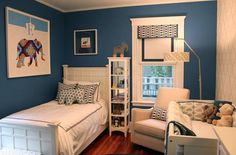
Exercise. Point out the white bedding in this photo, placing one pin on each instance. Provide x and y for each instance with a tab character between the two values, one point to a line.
76	122
17	152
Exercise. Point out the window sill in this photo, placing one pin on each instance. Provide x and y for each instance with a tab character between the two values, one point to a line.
143	103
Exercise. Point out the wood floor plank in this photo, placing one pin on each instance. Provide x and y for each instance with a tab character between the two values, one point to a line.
116	144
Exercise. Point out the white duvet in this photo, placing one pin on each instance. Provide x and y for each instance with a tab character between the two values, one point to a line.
76	122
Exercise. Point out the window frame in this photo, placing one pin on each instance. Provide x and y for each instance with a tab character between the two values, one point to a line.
137	63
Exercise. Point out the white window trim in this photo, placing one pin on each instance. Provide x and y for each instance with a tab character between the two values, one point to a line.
137	56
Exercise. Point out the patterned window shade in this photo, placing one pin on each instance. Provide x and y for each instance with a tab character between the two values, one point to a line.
158	31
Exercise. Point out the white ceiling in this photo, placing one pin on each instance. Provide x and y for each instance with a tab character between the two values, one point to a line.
80	5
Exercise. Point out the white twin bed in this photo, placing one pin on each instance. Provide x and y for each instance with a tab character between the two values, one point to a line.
53	129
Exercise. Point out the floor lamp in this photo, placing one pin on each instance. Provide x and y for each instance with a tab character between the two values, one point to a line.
179	56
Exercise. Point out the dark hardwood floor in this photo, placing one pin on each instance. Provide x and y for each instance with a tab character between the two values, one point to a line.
116	144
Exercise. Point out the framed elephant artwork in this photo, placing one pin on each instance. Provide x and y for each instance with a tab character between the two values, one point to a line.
28	44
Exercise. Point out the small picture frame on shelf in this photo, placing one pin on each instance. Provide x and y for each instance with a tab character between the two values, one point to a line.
85	42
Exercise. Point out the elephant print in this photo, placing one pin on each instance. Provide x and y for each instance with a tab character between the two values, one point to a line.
28	48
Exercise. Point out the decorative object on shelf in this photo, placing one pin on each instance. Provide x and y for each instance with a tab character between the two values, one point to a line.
122	123
85	42
117	122
121	84
117	111
180	56
120	50
28	38
119	104
119	70
114	85
118	98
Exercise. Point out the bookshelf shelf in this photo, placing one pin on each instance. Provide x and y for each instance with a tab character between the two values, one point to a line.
119	96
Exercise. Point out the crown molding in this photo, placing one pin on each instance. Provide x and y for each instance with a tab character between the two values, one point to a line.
122	5
51	6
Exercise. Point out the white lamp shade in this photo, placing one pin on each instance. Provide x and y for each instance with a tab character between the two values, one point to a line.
177	56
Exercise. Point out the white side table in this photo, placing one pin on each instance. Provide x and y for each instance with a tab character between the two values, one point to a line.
227	136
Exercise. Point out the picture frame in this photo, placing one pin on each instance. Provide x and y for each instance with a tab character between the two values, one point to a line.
28	44
85	42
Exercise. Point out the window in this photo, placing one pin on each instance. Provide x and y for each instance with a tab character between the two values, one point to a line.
155	77
149	76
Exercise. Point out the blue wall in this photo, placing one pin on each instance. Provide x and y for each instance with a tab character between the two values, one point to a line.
114	27
21	93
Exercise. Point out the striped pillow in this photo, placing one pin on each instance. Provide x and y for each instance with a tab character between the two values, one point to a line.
62	86
158	113
89	91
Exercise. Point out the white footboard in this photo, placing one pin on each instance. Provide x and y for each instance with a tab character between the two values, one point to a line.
42	139
190	145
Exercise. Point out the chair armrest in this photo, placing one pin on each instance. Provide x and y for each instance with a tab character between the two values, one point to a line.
139	114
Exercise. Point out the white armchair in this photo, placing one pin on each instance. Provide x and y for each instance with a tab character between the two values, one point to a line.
151	132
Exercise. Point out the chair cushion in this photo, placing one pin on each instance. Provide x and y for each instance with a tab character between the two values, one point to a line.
151	127
165	95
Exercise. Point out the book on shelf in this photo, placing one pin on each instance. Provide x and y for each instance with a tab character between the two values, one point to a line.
117	99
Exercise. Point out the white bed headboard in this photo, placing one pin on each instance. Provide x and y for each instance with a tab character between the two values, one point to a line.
92	74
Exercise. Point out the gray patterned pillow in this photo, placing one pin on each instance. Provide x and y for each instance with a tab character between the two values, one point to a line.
89	91
187	108
194	108
158	113
62	86
199	110
70	96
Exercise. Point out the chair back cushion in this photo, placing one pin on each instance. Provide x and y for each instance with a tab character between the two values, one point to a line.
165	95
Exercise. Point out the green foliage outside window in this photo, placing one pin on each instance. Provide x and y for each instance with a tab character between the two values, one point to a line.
157	71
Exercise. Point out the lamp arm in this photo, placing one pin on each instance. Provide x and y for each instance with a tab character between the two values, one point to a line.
192	50
199	66
199	69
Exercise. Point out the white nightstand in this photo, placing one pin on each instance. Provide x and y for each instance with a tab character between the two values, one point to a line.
227	140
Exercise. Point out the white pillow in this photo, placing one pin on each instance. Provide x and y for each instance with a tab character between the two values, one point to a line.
97	92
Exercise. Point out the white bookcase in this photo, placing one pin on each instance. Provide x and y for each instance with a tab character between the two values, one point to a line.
119	94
